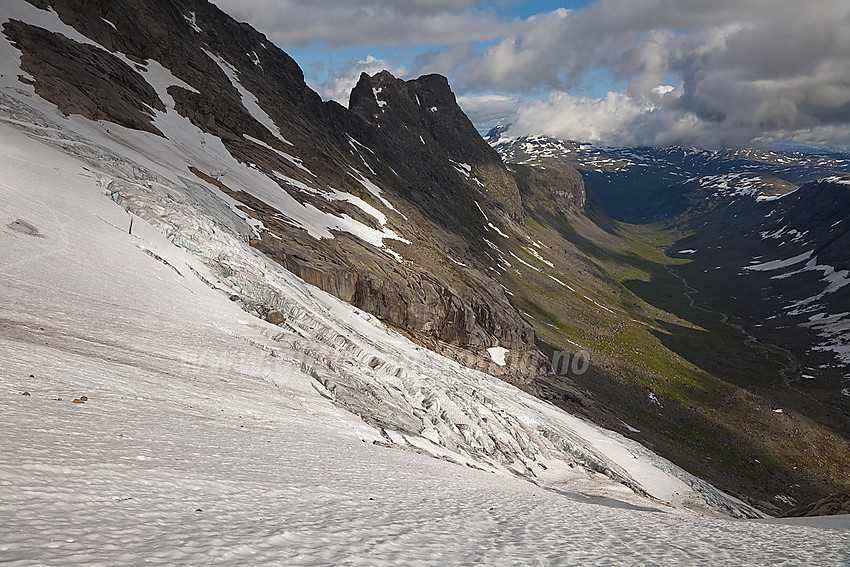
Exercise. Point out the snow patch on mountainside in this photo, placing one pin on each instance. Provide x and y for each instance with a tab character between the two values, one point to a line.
498	354
779	264
837	179
833	328
191	19
293	160
381	103
249	100
374	190
741	184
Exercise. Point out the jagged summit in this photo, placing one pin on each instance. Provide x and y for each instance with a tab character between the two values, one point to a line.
427	102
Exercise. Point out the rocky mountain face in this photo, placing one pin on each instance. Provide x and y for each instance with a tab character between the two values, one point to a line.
419	171
423	128
699	195
397	206
778	263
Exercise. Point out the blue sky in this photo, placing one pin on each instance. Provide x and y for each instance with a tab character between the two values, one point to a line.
705	73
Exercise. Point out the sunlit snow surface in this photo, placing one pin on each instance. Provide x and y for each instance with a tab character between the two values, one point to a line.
209	436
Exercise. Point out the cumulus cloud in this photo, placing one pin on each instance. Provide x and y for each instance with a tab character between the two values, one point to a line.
488	111
586	119
338	84
749	71
742	72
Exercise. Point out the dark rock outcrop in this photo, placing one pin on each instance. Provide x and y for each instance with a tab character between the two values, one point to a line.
82	79
421	117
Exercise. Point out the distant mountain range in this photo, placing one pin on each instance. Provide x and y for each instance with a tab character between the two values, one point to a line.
624	178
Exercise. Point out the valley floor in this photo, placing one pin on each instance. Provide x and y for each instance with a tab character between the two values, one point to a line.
195	445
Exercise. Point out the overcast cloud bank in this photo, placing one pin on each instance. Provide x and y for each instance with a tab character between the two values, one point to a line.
708	73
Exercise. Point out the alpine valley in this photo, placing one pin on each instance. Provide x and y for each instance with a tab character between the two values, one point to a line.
242	324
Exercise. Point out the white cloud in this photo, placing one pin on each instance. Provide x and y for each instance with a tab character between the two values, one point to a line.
341	23
750	70
488	111
744	71
583	118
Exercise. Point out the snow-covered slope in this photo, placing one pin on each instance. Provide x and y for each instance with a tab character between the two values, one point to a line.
417	399
209	436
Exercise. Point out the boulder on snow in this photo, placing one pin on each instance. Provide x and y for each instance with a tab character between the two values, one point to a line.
276	318
24	227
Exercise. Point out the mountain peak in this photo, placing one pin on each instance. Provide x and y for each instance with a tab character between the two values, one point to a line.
428	93
426	109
